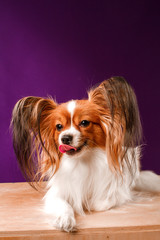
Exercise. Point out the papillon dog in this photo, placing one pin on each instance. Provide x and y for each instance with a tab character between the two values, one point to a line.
88	150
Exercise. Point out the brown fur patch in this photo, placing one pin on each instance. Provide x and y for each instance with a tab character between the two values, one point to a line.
94	133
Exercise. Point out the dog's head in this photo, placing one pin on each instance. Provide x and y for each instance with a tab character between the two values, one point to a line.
43	130
78	127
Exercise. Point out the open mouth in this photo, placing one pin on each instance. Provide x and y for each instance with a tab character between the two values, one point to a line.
70	150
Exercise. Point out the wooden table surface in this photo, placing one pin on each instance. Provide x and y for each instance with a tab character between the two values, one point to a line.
22	217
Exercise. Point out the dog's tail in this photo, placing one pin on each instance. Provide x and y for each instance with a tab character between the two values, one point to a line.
148	181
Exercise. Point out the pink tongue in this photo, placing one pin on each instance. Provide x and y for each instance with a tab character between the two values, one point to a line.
65	148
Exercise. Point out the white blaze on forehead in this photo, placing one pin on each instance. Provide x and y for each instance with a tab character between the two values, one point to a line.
71	107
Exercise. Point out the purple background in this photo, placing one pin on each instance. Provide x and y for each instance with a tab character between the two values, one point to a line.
61	48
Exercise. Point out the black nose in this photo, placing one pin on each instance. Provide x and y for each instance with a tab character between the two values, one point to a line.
67	139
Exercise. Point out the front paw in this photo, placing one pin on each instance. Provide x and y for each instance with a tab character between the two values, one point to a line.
65	223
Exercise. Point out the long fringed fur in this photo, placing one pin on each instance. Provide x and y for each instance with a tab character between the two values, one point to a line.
120	115
33	137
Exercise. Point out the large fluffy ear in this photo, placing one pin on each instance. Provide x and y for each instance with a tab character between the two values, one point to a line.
33	137
119	113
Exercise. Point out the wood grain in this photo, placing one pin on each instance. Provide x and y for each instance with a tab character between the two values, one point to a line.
22	217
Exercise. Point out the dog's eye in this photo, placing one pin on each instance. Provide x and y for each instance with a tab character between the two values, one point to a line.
84	123
59	127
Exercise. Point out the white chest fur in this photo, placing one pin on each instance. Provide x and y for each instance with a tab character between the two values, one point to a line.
86	182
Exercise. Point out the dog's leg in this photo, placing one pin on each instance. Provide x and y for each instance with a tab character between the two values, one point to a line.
62	212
